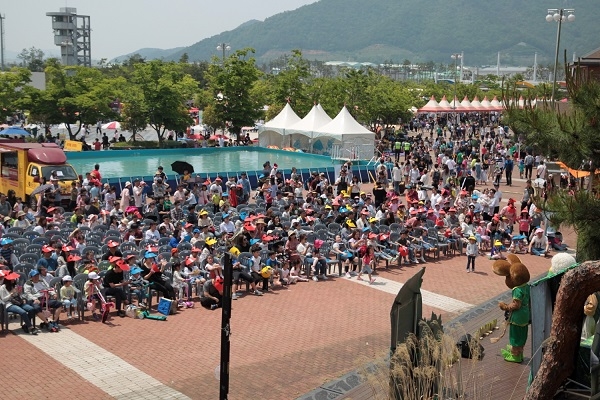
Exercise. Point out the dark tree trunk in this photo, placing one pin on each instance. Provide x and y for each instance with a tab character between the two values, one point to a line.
558	361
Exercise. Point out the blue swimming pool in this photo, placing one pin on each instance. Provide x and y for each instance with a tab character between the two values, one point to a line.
120	166
210	161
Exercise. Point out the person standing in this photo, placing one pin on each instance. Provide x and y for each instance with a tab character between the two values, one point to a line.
528	165
246	188
397	176
397	149
472	251
126	196
541	170
528	194
138	190
96	173
497	198
508	169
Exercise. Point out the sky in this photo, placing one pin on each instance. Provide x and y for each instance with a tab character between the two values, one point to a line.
123	26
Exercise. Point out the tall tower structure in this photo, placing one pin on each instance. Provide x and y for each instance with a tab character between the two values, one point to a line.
72	33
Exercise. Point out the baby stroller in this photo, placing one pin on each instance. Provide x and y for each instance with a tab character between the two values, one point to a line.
518	244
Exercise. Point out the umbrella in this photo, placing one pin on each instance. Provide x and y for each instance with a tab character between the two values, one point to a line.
195	137
181	166
217	137
112	125
41	189
13	131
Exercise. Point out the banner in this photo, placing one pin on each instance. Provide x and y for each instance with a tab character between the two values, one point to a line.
73	145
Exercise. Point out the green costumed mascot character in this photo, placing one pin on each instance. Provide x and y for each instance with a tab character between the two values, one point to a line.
517	277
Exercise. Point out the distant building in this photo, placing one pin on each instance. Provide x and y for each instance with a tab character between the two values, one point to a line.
588	66
72	33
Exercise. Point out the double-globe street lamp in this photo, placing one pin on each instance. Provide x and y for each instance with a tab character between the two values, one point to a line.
223	47
455	57
559	15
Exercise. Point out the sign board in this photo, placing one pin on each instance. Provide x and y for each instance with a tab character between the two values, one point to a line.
73	145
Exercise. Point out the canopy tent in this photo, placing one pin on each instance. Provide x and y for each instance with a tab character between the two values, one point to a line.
273	132
301	133
477	105
444	104
466	105
495	105
486	104
351	139
432	106
455	105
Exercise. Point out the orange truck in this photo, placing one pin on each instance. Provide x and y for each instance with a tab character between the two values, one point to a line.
24	165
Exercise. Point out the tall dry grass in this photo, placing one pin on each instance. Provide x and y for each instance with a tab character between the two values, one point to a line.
427	368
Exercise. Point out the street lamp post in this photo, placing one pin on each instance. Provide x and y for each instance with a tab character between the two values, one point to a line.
558	15
224	47
455	57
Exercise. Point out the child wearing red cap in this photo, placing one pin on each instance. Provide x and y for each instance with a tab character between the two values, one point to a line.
524	223
369	263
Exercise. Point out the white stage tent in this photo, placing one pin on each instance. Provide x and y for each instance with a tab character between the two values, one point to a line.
273	132
344	138
301	133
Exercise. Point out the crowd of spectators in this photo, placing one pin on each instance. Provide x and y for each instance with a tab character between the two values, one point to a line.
437	197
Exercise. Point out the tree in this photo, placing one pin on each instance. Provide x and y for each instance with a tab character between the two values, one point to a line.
73	95
163	90
386	102
134	114
572	136
12	84
229	84
32	59
290	84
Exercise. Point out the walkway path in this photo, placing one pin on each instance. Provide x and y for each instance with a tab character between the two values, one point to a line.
431	299
101	368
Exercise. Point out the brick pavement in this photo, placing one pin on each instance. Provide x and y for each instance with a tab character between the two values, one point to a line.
29	373
283	344
299	337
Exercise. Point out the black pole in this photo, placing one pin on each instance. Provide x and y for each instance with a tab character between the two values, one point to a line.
225	328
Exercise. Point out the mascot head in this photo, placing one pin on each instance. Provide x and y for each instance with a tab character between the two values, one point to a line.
513	269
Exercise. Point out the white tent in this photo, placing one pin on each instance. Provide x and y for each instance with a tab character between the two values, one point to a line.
272	133
301	133
345	137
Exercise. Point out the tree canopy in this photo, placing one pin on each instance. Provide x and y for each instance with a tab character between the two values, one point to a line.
229	90
573	137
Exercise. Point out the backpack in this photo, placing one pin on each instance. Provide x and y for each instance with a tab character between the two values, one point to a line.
436	177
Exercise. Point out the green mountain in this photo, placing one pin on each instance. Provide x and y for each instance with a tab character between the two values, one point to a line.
417	30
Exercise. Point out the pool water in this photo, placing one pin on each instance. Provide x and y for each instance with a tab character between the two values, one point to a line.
140	163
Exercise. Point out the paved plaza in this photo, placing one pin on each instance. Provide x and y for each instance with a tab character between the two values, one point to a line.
283	344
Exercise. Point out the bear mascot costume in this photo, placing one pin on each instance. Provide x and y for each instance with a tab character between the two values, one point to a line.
518	314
